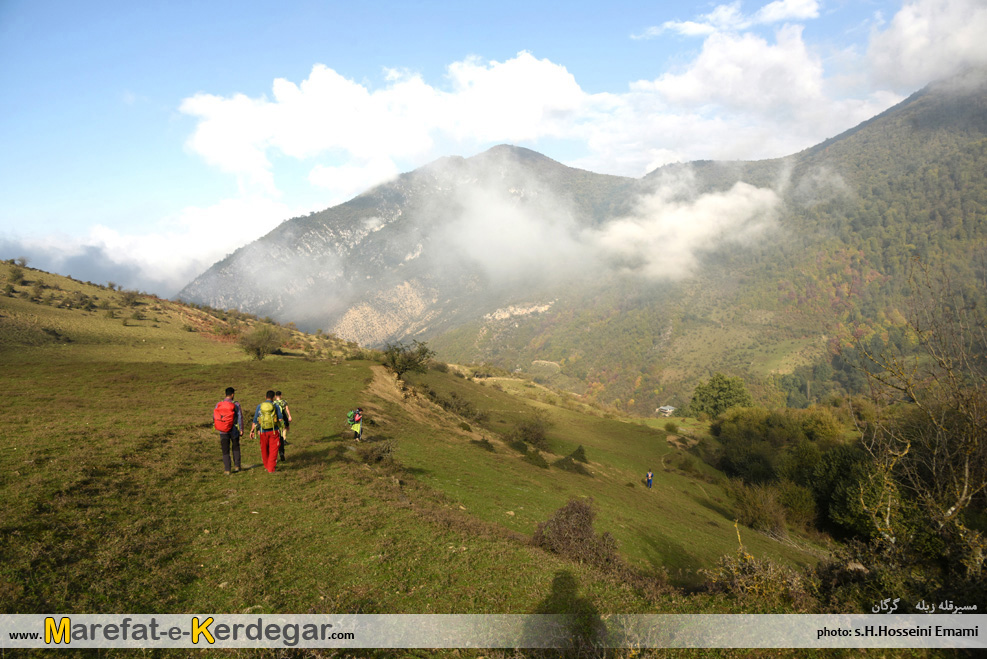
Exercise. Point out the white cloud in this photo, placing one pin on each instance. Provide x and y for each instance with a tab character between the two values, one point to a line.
742	97
787	10
521	99
929	39
748	73
163	259
670	228
346	181
730	18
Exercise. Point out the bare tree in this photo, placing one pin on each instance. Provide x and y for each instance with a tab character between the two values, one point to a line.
931	441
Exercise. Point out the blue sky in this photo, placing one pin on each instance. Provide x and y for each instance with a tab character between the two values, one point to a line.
143	141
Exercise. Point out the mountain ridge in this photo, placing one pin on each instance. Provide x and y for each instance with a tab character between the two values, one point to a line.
680	267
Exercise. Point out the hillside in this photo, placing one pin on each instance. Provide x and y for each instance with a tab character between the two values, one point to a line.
113	497
638	288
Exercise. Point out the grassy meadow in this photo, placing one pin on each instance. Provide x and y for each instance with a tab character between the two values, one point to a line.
113	497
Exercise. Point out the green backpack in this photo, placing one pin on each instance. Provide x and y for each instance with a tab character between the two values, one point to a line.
268	418
282	404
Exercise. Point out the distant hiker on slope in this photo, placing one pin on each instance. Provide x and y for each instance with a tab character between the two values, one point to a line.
266	418
285	422
355	419
650	477
228	420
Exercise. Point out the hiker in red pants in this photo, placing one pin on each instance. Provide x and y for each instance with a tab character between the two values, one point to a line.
266	419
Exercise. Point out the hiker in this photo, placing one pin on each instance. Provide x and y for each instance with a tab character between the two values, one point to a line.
284	423
266	418
355	419
649	478
228	419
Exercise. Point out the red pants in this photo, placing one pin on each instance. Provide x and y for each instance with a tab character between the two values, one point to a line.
269	443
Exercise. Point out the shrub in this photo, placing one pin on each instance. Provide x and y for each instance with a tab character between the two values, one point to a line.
758	508
672	427
129	298
579	455
483	443
518	446
376	452
718	394
401	358
16	275
821	425
799	504
261	341
533	431
761	582
569	533
535	458
568	464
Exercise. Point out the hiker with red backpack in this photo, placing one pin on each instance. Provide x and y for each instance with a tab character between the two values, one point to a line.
228	420
267	417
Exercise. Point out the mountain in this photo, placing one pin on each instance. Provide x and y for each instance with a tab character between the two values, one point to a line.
413	256
631	290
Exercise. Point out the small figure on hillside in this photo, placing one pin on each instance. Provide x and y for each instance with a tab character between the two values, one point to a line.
266	418
649	478
355	419
228	420
285	422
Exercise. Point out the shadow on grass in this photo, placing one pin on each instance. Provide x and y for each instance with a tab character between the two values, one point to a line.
717	508
662	553
578	625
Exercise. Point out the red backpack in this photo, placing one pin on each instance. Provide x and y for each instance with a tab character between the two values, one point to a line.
224	415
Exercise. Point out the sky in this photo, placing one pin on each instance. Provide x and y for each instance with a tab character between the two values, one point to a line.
144	141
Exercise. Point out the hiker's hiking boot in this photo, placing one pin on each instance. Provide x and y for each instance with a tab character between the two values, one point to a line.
226	473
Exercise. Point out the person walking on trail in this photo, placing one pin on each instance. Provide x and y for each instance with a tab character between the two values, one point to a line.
266	418
650	477
228	420
355	419
285	422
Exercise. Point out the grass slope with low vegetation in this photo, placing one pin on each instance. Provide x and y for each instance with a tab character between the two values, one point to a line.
113	499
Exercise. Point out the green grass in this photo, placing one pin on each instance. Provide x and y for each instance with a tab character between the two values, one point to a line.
683	524
112	496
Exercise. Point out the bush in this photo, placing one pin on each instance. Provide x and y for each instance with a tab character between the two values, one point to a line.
376	453
535	458
16	275
799	504
569	533
261	341
533	431
672	427
568	464
579	455
401	358
483	443
518	446
761	582
129	298
718	394
758	508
